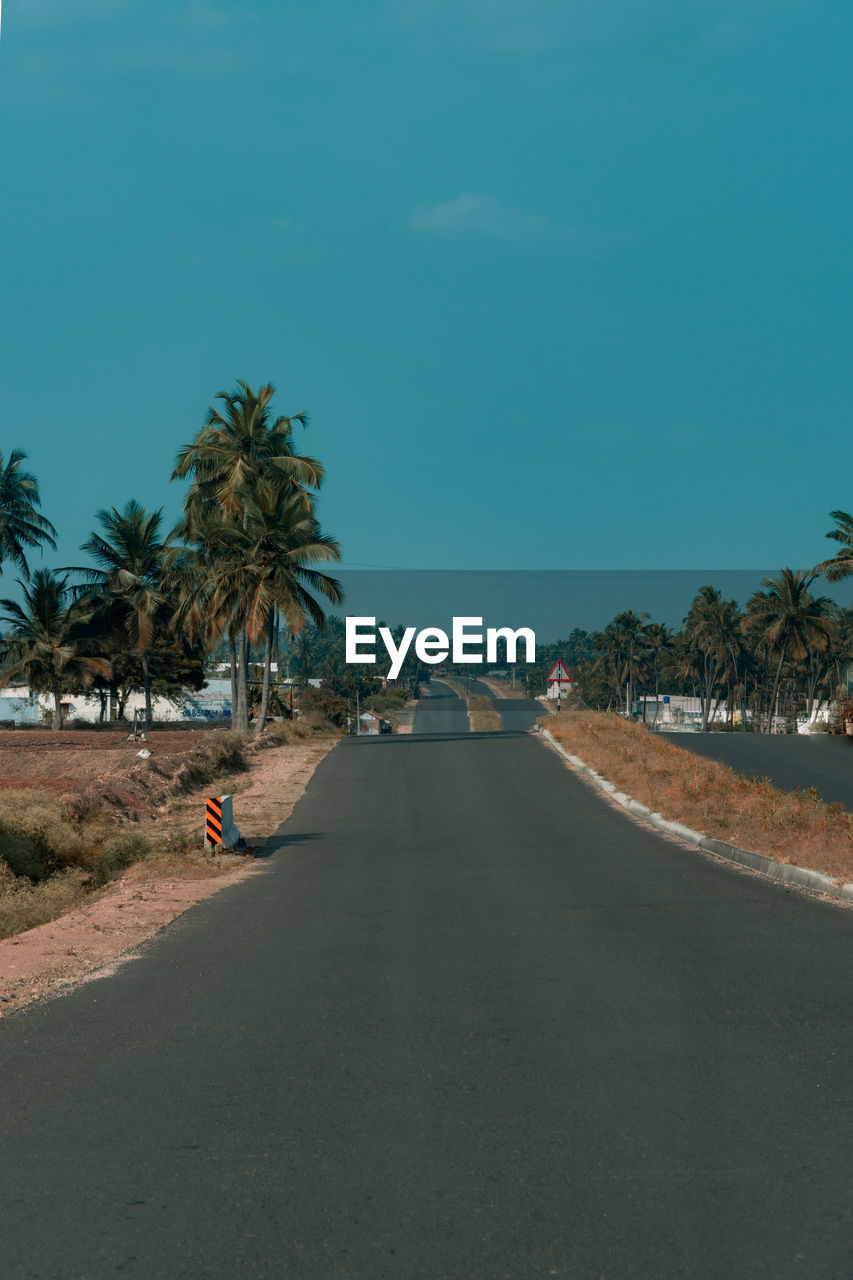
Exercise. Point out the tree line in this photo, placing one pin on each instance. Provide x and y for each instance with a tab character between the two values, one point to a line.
243	562
782	655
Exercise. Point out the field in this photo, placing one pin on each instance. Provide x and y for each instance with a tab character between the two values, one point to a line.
100	767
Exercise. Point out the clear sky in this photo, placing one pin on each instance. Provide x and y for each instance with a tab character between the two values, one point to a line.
562	284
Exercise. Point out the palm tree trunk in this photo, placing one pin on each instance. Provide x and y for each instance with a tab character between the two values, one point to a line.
265	691
146	684
775	692
234	685
57	706
242	717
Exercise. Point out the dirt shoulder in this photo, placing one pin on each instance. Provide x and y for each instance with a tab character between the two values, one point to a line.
501	689
91	941
794	827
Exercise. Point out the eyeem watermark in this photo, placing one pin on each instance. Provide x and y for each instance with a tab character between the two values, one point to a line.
432	645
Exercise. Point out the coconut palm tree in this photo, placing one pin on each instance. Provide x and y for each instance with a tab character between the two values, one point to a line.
240	578
236	448
285	544
711	629
234	451
21	525
790	622
128	572
43	641
840	565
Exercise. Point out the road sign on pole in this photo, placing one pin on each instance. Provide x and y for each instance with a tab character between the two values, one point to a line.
559	675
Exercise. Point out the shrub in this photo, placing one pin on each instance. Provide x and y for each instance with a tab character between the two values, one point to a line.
118	852
222	753
318	705
37	836
24	905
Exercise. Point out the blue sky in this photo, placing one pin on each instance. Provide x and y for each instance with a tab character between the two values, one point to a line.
529	265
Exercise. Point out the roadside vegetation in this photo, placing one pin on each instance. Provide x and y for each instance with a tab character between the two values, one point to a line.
797	826
778	658
56	853
244	564
483	714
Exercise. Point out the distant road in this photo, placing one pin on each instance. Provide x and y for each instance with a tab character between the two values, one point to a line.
792	760
440	710
517	714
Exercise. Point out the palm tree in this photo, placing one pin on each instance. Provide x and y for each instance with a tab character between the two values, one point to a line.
629	628
129	571
43	641
235	451
242	577
657	641
790	622
711	629
237	448
840	565
21	525
286	542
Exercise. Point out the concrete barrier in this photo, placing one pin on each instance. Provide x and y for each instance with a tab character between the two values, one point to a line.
220	830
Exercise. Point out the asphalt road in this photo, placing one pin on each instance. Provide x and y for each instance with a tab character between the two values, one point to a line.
440	710
470	1021
517	714
792	760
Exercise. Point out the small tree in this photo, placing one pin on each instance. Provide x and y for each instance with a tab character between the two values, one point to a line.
129	561
44	642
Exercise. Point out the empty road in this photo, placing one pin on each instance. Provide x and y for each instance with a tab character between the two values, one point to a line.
469	1021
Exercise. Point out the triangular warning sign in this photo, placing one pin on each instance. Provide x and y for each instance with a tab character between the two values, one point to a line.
559	672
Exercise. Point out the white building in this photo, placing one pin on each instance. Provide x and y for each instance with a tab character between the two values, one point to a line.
212	702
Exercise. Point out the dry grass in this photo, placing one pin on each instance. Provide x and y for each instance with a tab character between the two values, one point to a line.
796	827
54	855
503	688
483	714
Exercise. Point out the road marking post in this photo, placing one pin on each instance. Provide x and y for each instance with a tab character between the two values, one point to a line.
219	829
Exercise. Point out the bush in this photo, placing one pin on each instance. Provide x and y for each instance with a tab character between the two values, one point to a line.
287	731
319	705
37	837
118	852
40	838
222	753
24	905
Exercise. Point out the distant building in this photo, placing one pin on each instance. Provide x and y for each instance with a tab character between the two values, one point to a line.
372	724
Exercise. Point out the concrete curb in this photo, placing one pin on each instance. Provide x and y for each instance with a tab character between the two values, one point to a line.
786	871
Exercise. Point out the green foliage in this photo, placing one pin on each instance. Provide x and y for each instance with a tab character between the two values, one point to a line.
47	640
21	524
317	705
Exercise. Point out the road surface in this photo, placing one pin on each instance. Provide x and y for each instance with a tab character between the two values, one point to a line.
792	760
469	1021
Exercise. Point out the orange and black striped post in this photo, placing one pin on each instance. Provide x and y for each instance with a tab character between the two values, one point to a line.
213	824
